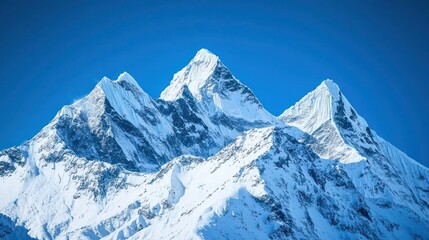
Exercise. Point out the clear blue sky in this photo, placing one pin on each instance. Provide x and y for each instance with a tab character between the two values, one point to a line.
53	52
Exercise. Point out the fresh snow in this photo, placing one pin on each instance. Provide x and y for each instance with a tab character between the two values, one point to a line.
207	161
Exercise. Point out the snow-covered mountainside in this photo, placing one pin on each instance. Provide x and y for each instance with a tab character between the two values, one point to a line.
207	161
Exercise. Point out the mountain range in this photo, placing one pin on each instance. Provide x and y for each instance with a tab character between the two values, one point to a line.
205	160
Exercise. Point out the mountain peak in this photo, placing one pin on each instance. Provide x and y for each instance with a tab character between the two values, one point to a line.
118	164
323	104
126	77
332	87
204	55
314	109
106	84
211	83
329	83
326	114
195	75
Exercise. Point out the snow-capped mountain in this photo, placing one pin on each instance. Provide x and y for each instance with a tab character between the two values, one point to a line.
207	161
119	123
216	90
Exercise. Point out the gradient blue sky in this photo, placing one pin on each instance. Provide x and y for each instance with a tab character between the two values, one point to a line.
53	52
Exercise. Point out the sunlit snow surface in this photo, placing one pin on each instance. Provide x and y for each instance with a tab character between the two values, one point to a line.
207	161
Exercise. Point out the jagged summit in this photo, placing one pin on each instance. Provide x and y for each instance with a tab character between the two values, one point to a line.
125	76
334	91
313	109
204	55
326	114
206	79
318	107
212	84
195	75
333	88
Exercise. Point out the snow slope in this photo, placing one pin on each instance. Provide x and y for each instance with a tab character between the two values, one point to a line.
206	161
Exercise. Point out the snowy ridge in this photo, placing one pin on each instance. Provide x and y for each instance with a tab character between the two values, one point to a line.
206	161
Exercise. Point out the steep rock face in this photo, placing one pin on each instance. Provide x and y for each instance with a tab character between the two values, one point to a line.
117	164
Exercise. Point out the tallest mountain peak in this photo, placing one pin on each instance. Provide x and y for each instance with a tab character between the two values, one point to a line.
331	87
195	75
330	84
205	55
211	84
